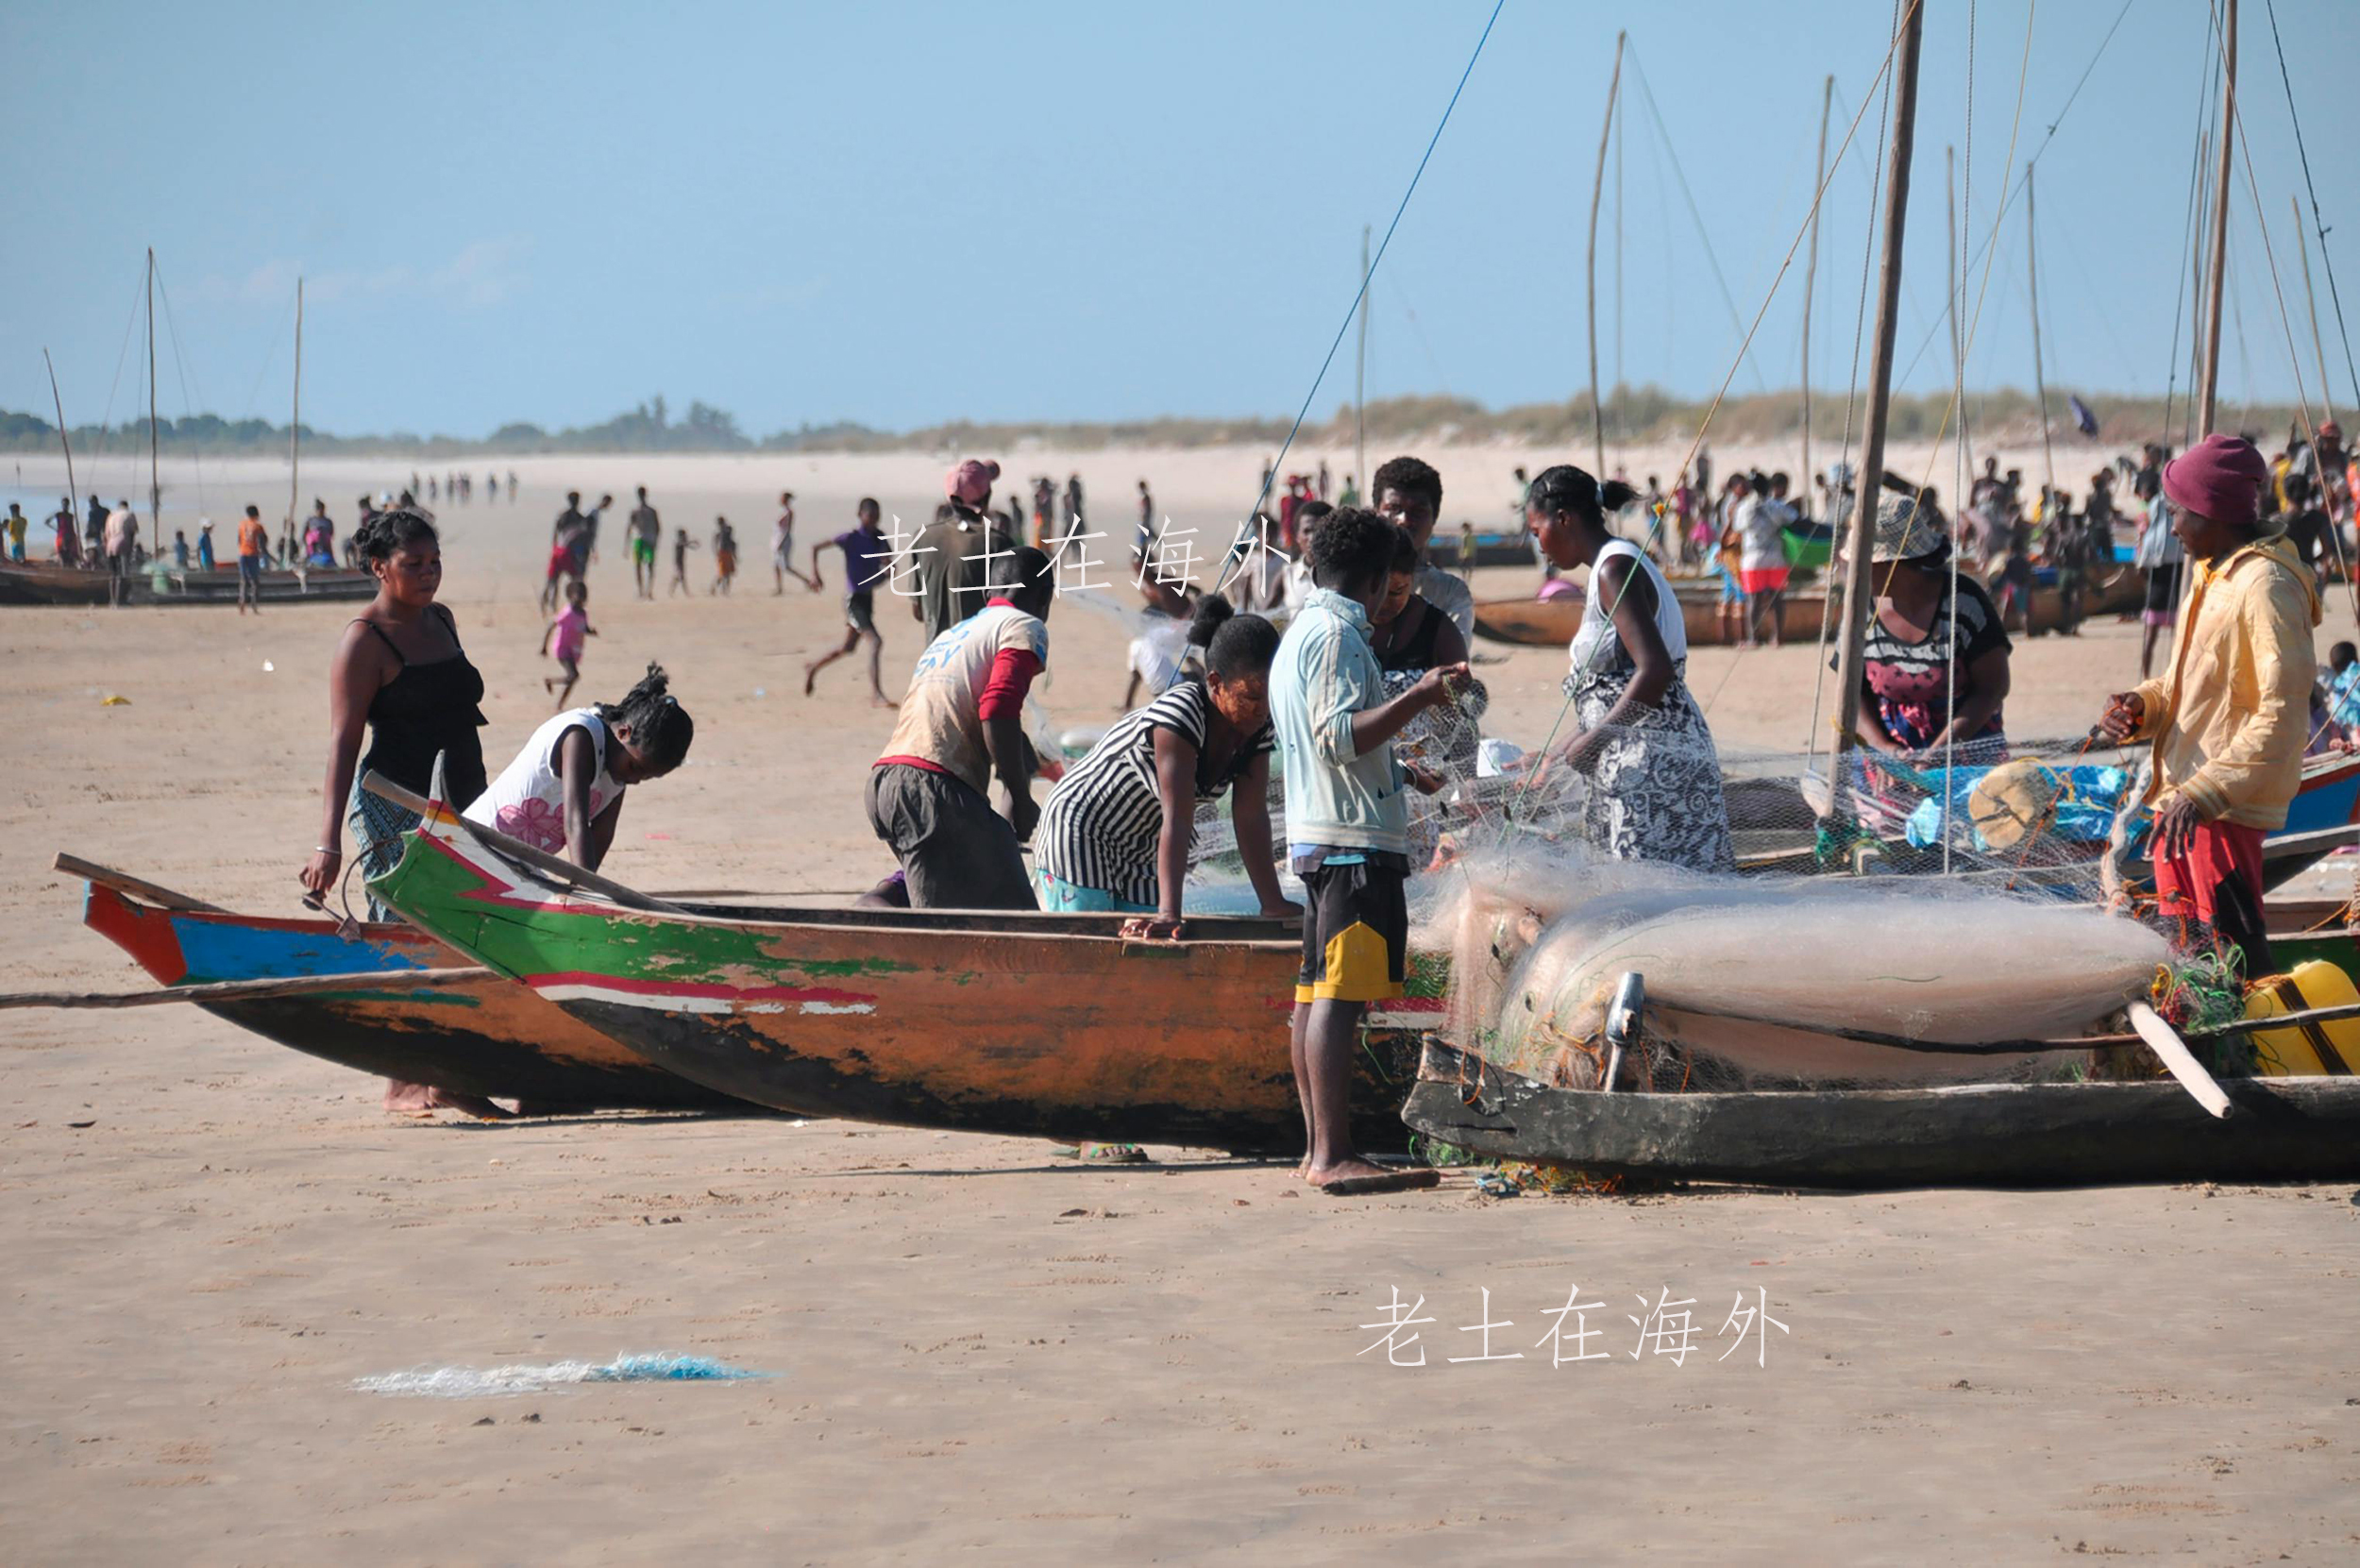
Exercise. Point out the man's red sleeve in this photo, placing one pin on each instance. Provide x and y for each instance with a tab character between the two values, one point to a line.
1012	673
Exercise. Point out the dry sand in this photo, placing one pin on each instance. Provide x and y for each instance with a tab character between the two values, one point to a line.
974	1347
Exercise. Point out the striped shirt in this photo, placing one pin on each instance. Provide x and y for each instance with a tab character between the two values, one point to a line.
1104	820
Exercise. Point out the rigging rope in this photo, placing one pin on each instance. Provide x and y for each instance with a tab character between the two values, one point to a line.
1361	293
2302	152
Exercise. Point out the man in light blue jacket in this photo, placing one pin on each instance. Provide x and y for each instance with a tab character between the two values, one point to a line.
1348	829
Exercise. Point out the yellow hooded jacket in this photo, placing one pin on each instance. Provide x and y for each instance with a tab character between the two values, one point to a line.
2230	722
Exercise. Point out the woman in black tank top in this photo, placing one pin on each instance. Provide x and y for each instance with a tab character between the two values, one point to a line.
401	672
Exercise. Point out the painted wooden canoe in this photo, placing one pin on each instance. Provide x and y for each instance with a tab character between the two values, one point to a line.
1984	1135
48	583
488	1038
1552	623
986	1022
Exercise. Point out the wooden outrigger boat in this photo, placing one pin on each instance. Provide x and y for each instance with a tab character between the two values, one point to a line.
1978	1135
1551	623
485	1036
1048	1025
52	584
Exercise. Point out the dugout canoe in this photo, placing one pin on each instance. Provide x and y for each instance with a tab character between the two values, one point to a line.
488	1038
1551	623
986	1022
1982	1135
48	583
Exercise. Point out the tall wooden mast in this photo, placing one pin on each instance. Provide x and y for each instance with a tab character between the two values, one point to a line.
1598	189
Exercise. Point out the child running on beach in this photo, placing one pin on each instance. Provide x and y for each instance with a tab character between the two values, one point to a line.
563	641
1348	829
868	560
564	791
682	545
724	556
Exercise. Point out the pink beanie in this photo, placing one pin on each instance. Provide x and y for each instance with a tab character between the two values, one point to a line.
971	482
2220	477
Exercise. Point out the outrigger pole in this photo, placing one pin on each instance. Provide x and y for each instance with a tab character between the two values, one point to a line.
1598	189
2209	388
2040	378
1857	576
74	493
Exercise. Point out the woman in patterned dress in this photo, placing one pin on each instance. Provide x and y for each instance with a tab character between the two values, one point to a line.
1654	775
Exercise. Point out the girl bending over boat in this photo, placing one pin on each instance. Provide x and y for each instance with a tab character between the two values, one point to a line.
564	791
1117	829
401	674
1655	778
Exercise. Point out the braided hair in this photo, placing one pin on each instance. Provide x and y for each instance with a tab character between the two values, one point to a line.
660	727
1235	645
1567	489
381	533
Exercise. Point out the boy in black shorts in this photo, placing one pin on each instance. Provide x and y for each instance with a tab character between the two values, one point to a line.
1347	827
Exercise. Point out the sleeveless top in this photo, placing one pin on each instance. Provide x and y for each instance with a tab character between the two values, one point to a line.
1597	648
1416	653
527	800
427	709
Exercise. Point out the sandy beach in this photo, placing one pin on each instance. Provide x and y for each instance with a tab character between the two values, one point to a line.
969	1346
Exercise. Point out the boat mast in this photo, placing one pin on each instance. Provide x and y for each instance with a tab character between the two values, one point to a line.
294	421
155	486
2031	287
2207	393
1360	384
1958	349
1811	274
1858	600
74	493
1598	189
2302	246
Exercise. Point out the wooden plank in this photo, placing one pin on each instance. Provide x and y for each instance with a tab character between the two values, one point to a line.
122	882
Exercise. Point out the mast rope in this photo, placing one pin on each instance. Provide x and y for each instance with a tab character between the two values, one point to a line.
2313	191
1246	525
187	408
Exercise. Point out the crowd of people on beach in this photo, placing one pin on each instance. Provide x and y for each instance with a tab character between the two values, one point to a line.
1328	658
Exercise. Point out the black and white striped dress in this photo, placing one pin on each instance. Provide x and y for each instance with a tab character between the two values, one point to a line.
1104	820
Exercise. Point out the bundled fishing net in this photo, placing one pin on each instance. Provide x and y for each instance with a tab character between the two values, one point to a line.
1745	976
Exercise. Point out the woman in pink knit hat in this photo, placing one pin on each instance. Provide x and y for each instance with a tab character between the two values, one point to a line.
2230	720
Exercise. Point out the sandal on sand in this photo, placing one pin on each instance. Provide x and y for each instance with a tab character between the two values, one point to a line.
1390	1181
1103	1154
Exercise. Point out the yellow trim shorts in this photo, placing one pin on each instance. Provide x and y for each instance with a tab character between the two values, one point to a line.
1356	933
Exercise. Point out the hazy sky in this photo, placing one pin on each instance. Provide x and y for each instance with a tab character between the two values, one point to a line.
903	214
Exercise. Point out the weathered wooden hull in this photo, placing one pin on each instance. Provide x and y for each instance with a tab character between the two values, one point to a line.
491	1037
1552	623
1994	1135
1030	1025
54	584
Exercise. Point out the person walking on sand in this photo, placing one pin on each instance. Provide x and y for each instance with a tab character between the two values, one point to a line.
1347	830
2228	724
562	640
783	548
566	536
205	543
2159	556
18	523
682	545
645	529
253	544
868	560
66	542
122	544
724	557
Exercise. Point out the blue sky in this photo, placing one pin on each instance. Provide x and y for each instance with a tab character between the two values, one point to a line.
906	214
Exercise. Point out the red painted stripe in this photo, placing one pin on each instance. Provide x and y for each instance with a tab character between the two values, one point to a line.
657	988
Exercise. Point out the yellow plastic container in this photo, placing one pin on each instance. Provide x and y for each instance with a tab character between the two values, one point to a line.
2306	1050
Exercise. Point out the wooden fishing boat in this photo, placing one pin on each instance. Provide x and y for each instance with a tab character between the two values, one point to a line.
1978	1135
1031	1025
51	584
487	1037
1551	623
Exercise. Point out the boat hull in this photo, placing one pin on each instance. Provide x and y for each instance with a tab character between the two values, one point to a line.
990	1022
53	584
489	1038
1985	1134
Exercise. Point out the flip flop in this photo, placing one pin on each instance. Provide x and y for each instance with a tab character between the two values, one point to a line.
1390	1181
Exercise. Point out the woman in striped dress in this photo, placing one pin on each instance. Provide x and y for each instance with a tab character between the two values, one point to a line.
1117	832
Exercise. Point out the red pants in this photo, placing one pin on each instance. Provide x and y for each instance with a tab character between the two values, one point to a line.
2192	882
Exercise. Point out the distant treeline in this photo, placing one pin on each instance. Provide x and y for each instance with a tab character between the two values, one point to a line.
1632	414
